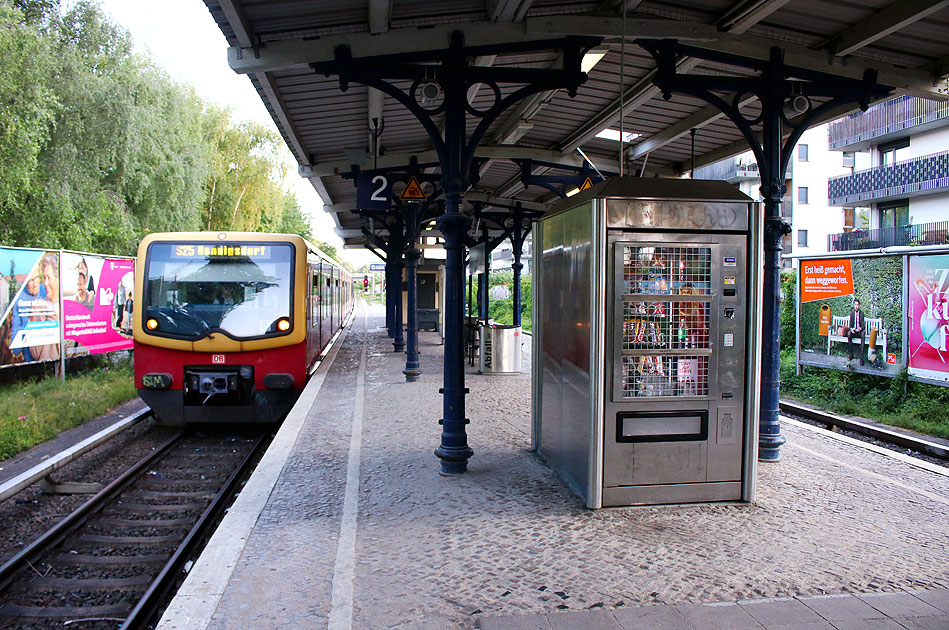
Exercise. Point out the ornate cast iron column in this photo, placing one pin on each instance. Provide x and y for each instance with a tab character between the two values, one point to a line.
412	255
485	298
522	227
448	72
776	86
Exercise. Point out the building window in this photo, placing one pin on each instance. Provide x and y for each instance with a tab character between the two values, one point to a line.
802	194
848	219
894	152
802	153
894	215
802	238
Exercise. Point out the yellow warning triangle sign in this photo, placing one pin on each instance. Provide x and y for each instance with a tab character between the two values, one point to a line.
587	183
413	191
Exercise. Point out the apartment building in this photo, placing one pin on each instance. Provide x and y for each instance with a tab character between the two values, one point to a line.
896	190
805	205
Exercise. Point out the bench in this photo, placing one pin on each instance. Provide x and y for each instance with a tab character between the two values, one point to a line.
869	323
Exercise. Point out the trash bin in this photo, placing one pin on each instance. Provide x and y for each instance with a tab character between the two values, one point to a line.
500	349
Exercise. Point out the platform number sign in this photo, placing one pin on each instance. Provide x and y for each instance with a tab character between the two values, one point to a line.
373	192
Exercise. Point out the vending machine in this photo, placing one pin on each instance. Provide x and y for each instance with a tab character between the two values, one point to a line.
646	359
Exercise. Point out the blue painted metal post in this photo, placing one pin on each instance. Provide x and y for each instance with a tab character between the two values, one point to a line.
390	289
412	254
518	244
772	190
454	450
485	309
456	154
773	88
398	342
481	295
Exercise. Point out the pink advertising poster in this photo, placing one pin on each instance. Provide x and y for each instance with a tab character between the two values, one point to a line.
97	303
928	317
29	302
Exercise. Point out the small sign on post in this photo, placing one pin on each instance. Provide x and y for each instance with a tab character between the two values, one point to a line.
373	192
413	191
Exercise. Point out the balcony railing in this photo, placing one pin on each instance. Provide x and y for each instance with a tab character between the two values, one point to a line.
907	178
728	170
904	112
921	234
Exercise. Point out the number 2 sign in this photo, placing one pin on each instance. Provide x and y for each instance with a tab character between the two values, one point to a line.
373	192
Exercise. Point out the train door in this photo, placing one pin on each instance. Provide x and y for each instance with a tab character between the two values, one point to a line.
315	333
328	304
339	301
310	295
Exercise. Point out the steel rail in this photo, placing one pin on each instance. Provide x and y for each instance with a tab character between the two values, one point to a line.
151	599
873	430
41	471
58	532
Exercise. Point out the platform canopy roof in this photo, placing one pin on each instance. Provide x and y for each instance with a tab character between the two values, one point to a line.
329	130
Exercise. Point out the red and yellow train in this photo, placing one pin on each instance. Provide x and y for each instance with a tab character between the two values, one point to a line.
229	325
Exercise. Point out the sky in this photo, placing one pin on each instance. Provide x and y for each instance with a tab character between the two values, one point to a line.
182	37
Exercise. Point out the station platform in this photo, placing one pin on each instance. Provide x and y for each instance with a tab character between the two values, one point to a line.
346	523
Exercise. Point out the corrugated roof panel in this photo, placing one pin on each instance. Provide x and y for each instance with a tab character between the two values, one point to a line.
330	124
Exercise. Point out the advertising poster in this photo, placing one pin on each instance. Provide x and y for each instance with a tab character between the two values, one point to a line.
97	303
928	317
852	314
29	327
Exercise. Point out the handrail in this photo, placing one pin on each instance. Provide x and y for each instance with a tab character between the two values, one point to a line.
45	469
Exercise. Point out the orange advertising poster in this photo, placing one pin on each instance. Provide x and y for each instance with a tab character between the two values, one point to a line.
823	279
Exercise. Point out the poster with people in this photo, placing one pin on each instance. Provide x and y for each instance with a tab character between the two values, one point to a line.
29	327
851	313
97	303
928	317
94	293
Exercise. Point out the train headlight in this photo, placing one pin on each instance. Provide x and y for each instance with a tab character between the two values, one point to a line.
283	324
151	323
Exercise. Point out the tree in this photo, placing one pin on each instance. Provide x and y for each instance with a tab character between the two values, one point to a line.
98	146
28	108
243	190
292	220
327	249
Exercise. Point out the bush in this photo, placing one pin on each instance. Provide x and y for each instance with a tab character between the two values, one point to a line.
788	308
894	401
502	311
38	410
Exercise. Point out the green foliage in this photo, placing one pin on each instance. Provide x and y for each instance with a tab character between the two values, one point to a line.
788	308
28	109
98	146
327	249
36	411
502	311
292	220
894	401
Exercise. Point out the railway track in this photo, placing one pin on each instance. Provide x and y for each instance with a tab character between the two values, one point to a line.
115	558
873	430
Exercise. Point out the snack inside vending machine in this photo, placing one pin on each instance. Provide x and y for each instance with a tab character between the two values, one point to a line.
646	330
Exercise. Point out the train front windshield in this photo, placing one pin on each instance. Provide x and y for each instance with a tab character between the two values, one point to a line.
240	289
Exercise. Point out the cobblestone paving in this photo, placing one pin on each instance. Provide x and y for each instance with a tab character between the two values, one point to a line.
509	538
